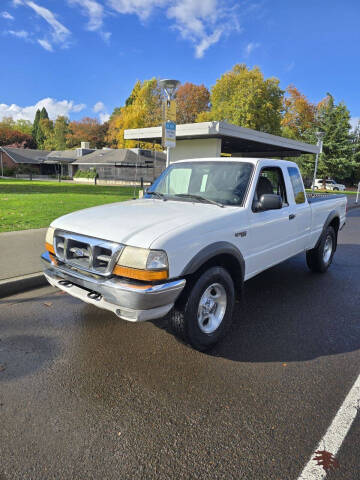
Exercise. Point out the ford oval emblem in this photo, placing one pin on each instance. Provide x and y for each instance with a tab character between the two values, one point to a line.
79	252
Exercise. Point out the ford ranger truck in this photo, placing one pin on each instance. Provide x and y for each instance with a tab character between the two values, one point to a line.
203	228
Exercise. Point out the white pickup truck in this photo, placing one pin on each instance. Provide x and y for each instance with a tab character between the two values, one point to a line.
202	229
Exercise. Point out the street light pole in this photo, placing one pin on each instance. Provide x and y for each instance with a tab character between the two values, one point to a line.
169	87
320	136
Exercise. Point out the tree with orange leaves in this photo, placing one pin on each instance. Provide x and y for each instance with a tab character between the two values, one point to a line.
191	100
299	114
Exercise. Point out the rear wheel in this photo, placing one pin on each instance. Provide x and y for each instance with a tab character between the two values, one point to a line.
204	316
319	259
336	189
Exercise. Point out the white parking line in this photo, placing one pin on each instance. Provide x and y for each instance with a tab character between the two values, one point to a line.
335	435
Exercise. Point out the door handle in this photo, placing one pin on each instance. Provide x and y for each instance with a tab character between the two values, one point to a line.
292	216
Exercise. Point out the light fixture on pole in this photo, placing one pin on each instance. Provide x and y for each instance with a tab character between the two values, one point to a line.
319	136
169	116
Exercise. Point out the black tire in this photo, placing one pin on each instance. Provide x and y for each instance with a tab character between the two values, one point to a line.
336	189
184	316
319	258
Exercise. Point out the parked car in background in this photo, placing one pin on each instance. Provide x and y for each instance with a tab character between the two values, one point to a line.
330	185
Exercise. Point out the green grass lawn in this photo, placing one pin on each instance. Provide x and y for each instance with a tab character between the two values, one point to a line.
346	192
28	204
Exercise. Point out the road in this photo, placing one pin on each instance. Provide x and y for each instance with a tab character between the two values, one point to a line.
84	395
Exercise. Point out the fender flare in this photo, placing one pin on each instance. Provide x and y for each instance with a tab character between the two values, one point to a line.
211	251
333	214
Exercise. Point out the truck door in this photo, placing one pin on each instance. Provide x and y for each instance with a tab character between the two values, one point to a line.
302	212
273	232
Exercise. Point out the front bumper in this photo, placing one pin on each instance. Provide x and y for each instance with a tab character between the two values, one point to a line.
128	300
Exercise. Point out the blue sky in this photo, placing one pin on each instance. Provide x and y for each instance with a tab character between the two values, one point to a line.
82	57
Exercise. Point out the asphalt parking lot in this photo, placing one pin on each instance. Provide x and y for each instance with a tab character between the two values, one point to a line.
84	395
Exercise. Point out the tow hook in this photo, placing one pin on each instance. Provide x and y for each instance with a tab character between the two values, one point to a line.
94	296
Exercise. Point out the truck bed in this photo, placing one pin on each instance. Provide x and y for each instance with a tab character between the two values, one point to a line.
321	197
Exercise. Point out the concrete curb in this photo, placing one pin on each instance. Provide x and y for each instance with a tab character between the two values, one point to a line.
10	286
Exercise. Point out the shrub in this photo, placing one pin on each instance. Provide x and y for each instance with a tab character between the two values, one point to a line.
91	173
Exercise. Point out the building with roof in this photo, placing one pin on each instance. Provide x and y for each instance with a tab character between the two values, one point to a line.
212	139
125	165
21	158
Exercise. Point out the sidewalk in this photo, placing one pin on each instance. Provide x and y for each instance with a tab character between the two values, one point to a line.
20	265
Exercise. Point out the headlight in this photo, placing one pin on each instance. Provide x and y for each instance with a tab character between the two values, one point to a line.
142	264
49	240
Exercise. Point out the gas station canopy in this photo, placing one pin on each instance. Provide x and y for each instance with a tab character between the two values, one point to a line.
206	139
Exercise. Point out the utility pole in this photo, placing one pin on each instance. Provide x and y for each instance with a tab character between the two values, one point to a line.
320	136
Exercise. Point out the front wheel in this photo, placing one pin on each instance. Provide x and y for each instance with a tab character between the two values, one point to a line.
204	316
319	258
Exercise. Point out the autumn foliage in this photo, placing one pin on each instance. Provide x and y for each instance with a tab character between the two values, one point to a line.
299	114
190	101
15	138
86	130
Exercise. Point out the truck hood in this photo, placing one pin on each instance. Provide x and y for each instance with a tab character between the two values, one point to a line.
136	222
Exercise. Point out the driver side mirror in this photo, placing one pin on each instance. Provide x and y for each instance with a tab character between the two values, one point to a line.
268	201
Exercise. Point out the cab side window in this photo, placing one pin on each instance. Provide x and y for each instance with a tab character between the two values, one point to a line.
297	185
271	180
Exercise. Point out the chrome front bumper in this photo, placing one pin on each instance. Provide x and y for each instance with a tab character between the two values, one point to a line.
130	301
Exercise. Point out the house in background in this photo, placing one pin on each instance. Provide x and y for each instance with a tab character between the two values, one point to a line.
24	160
112	165
127	165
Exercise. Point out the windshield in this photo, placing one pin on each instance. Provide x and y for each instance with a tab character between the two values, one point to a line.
217	181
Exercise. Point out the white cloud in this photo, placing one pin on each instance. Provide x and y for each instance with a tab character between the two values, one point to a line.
141	8
250	47
354	122
104	117
19	33
94	10
99	107
46	45
202	22
206	42
59	33
54	108
6	15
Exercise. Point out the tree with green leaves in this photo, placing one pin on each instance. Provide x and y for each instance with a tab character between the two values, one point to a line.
337	160
37	133
61	130
45	136
245	98
355	177
36	125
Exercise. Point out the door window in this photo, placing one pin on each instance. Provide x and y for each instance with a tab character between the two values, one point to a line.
271	180
297	185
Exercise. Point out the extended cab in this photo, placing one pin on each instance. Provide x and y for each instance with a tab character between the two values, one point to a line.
203	228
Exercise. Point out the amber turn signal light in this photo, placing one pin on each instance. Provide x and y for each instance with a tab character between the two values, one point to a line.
137	274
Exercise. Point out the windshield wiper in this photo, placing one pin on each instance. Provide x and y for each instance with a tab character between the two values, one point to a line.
157	194
199	198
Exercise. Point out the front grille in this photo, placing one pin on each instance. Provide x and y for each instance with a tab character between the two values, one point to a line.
88	254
